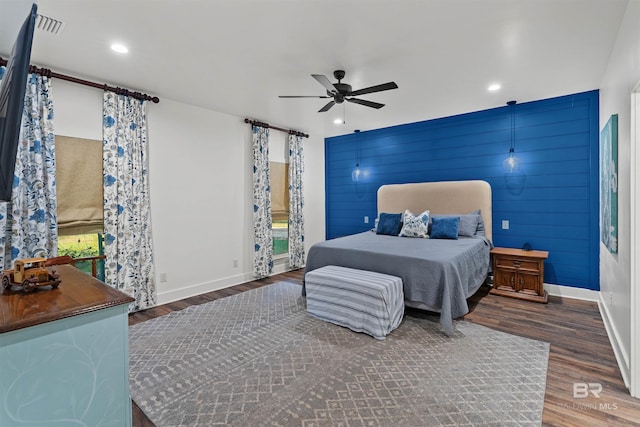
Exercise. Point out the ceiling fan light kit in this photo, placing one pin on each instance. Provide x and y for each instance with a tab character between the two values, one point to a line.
341	92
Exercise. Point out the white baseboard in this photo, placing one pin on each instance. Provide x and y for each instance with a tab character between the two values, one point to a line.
202	288
280	266
571	292
614	337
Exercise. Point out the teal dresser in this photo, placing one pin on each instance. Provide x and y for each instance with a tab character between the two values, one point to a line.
64	354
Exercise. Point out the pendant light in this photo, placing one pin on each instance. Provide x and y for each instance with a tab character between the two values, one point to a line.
356	174
512	164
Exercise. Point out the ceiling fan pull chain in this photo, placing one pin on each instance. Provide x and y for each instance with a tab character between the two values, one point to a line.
344	114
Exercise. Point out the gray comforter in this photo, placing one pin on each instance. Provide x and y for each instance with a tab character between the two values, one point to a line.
437	274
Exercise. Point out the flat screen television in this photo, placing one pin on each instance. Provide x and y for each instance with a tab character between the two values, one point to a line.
12	91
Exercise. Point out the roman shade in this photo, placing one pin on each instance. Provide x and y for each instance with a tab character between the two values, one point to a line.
79	185
279	181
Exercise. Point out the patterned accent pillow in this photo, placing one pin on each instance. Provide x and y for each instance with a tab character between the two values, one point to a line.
415	225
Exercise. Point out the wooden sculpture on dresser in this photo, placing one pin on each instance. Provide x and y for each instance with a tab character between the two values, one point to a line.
30	273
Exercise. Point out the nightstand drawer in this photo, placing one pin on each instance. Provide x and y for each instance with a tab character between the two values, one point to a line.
512	262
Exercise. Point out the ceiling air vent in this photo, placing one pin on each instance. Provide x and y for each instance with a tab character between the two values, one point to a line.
49	25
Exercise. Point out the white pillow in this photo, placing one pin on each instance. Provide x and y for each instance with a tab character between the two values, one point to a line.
415	225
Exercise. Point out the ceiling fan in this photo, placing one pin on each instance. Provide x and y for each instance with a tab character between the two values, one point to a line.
341	92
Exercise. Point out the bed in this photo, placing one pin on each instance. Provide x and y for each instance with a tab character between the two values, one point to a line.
437	274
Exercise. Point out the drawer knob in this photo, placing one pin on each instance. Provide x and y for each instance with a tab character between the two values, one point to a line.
516	264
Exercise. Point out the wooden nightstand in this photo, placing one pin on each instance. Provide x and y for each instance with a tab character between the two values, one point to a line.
519	274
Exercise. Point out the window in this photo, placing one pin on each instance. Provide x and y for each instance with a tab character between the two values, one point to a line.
79	191
84	246
279	181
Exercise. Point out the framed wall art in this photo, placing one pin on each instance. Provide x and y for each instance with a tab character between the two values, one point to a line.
609	184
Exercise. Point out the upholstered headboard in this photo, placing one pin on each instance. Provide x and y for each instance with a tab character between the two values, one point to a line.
446	197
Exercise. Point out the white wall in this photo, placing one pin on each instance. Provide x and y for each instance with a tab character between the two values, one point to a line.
77	110
201	189
278	147
622	74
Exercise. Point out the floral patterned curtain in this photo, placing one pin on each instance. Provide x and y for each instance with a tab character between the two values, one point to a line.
263	235
28	222
127	215
296	202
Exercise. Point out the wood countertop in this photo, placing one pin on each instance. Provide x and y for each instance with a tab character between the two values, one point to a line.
520	252
78	293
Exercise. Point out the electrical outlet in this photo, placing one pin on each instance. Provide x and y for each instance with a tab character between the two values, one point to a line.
610	298
163	277
505	224
235	263
366	220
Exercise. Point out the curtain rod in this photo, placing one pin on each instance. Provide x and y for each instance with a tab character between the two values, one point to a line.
268	126
120	91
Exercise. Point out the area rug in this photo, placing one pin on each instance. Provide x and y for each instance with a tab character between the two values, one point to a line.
258	359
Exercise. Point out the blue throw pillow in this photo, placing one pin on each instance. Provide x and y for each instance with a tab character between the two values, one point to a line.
389	224
444	227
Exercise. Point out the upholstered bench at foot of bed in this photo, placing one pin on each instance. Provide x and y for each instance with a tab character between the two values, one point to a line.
363	301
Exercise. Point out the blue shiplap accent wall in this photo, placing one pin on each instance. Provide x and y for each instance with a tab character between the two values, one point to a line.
553	205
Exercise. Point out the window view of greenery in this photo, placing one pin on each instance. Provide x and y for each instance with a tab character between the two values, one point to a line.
83	246
280	230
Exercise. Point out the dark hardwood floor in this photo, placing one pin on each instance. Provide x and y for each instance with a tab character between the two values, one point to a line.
580	352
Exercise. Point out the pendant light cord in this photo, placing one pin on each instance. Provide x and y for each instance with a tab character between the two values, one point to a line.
512	144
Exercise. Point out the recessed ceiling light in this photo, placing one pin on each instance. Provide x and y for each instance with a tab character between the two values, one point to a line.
338	121
494	87
120	48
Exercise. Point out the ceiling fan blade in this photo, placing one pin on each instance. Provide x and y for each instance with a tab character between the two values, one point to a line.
377	88
324	81
297	96
327	107
365	103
